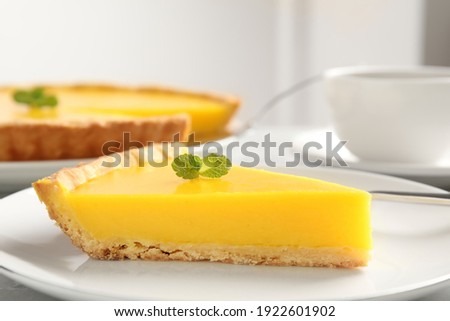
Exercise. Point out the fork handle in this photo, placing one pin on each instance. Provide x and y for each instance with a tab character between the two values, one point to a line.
412	197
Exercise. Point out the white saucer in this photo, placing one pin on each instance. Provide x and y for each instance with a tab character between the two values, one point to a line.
409	260
437	174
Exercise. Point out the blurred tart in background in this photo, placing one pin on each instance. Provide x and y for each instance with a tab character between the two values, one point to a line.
63	122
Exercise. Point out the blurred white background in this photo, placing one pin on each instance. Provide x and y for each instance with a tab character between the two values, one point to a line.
251	48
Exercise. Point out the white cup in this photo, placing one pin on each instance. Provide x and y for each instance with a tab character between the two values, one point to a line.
391	114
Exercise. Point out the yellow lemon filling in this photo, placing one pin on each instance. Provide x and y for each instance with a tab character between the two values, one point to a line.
245	207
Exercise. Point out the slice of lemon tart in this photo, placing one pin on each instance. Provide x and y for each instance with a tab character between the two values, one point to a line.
250	216
87	116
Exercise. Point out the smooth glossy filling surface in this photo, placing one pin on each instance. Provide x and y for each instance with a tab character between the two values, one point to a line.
245	207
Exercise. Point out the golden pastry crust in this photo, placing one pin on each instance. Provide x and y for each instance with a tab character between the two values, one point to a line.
249	255
51	189
27	140
47	140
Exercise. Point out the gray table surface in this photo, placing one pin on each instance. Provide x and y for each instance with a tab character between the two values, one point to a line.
11	290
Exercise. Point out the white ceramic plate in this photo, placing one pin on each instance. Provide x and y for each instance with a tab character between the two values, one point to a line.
410	258
436	174
15	176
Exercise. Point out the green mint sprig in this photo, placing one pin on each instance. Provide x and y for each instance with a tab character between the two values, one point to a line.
189	166
35	98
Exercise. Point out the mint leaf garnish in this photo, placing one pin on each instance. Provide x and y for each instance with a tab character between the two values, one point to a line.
215	166
187	166
190	166
35	98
